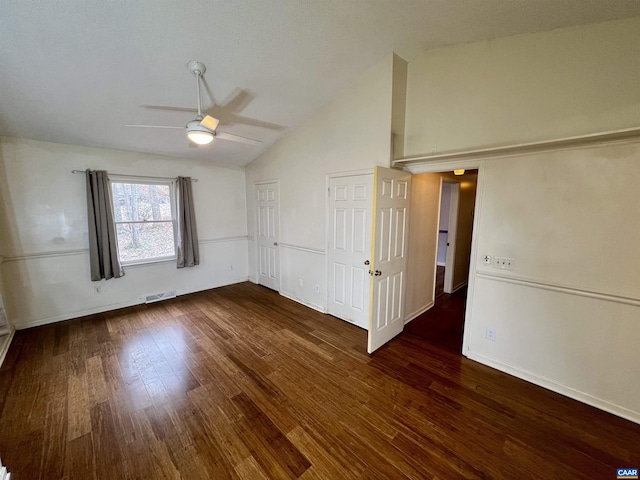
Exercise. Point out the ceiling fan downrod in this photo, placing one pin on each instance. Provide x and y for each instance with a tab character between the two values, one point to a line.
198	69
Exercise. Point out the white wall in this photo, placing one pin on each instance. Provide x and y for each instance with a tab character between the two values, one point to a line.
353	132
445	202
568	316
44	235
398	106
556	84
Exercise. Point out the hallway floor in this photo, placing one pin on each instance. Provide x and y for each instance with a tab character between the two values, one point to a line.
442	324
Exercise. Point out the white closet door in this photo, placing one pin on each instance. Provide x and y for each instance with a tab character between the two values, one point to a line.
268	218
349	247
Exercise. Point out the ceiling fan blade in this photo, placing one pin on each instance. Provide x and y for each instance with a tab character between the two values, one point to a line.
238	100
172	109
208	90
228	112
153	126
209	122
254	122
237	138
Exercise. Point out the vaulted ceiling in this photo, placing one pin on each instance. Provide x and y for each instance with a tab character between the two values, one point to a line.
77	71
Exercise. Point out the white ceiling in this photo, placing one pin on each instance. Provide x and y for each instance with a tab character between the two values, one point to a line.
77	71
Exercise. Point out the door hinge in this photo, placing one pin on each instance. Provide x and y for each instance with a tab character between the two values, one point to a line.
329	192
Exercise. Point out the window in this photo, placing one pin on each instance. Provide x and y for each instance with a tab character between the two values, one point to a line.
145	219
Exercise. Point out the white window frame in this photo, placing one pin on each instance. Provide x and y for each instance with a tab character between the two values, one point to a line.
174	214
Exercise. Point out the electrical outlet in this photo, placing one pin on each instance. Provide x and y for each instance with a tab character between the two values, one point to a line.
300	282
490	334
486	259
504	263
317	288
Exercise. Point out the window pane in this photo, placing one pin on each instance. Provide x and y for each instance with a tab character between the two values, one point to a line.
136	202
143	241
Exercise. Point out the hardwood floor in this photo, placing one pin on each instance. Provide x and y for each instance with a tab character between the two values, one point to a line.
442	324
239	382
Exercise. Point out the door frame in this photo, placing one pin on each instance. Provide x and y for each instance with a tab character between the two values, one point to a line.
447	166
256	183
327	219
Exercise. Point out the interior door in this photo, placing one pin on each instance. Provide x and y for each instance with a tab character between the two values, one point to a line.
452	237
349	248
267	199
389	255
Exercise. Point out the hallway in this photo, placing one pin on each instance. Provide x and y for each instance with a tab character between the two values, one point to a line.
443	324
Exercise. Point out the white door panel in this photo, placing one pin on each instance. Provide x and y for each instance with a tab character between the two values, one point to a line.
267	198
452	237
349	247
389	255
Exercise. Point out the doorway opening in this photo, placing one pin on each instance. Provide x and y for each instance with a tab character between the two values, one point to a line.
443	322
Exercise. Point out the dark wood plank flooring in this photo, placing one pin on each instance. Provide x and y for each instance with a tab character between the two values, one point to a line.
239	382
442	324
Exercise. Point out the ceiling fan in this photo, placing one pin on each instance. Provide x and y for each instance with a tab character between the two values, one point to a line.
203	129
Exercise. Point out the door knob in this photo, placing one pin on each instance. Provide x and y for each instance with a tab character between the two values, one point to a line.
275	244
378	273
366	262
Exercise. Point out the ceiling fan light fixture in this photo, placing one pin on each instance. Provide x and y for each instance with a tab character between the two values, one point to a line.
202	130
199	134
200	138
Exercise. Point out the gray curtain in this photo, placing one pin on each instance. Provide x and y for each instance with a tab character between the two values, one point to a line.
188	250
103	245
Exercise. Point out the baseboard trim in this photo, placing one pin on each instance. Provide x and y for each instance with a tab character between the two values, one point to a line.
290	296
458	287
5	343
419	312
583	397
347	320
106	308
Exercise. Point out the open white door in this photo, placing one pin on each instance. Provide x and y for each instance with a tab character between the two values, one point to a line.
267	200
389	255
452	238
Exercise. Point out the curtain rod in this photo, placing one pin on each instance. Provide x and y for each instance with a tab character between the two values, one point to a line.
137	176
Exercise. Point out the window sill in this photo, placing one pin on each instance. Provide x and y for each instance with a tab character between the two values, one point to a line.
145	263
